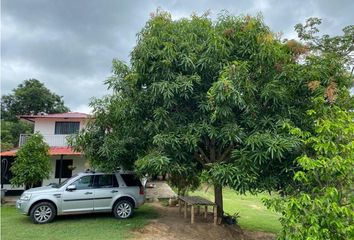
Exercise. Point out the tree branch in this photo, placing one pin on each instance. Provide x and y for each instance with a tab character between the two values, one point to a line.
212	150
218	152
226	153
199	158
203	155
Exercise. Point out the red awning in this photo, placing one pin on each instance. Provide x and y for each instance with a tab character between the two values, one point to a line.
62	151
53	151
9	153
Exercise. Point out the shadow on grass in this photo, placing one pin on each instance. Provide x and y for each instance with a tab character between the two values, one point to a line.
145	212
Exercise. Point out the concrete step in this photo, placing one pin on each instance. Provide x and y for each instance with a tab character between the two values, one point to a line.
160	190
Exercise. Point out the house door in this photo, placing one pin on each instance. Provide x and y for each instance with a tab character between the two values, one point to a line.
63	168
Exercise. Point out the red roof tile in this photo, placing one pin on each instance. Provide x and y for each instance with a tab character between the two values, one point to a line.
57	115
53	151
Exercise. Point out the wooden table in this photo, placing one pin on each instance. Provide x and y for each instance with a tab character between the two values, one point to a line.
198	202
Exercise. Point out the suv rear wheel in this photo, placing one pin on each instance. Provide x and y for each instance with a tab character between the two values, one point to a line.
43	212
123	209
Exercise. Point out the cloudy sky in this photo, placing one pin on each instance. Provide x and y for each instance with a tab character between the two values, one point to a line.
69	44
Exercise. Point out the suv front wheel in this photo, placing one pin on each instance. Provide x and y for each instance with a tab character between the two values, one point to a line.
123	209
43	212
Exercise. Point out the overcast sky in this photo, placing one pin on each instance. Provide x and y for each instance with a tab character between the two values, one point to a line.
69	44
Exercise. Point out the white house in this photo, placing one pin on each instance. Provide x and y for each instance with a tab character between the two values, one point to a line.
55	128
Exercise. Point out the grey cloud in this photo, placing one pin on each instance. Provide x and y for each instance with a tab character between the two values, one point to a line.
69	45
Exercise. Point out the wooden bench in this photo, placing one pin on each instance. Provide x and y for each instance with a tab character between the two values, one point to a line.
198	202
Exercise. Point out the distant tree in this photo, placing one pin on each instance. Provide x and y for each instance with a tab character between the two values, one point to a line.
31	97
32	163
323	205
10	132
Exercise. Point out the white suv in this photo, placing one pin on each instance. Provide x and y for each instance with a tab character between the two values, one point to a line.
85	192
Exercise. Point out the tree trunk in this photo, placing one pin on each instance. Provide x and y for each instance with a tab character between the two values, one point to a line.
217	188
218	200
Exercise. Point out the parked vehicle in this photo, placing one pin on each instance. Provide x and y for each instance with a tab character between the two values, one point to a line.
85	192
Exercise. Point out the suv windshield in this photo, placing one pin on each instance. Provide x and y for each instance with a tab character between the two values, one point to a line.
63	183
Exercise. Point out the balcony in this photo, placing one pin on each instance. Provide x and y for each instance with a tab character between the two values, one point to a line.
53	140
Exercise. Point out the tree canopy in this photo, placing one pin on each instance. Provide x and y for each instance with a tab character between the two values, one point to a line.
209	99
31	97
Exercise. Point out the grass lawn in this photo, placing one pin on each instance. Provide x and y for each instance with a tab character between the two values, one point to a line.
74	227
253	214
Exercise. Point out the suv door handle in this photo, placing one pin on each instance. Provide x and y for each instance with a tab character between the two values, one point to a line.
88	193
114	191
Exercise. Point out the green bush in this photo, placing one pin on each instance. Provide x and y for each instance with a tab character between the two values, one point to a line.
32	163
323	206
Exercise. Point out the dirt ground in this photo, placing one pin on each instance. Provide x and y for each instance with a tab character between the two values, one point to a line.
170	225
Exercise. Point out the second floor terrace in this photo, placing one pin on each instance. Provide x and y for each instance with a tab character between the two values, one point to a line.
55	128
53	140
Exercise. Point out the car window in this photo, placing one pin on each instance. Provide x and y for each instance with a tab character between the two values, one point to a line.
106	181
84	182
63	183
131	180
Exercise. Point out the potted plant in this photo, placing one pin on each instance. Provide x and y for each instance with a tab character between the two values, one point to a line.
231	219
71	167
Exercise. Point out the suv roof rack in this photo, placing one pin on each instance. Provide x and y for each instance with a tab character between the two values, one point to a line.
89	171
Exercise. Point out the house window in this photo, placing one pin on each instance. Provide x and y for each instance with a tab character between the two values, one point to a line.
67	127
66	170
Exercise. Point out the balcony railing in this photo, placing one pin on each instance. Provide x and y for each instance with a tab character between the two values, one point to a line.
53	140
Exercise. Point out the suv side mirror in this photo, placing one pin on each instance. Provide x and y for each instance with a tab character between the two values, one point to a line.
71	188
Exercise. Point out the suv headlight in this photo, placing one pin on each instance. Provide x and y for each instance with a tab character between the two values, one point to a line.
25	197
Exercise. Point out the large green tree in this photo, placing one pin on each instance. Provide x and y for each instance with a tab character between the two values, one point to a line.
30	97
210	99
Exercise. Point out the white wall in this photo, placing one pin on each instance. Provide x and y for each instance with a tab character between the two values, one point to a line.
47	125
